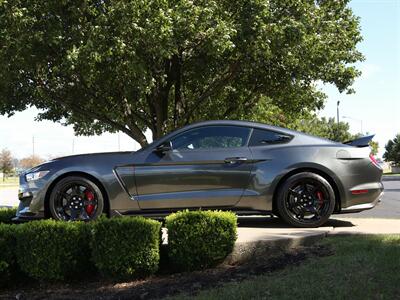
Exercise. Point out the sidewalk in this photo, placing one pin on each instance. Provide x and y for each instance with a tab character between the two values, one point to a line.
268	236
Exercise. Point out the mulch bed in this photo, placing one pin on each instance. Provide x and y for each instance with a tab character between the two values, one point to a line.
163	285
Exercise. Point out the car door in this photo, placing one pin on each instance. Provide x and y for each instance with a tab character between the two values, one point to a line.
208	166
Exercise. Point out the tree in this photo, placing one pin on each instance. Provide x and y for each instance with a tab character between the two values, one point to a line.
6	163
132	65
30	162
374	147
392	153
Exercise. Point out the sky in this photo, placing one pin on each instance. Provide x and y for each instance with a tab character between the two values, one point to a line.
375	107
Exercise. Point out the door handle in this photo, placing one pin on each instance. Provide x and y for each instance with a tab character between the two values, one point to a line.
232	160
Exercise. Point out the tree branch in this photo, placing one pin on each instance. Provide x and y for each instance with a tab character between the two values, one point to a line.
134	132
214	86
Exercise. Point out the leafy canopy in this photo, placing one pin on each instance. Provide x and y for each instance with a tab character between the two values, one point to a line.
160	64
6	162
392	152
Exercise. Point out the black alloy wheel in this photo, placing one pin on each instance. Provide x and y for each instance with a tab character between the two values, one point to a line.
76	198
305	200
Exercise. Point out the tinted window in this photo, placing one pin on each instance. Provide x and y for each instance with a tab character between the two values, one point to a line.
212	137
264	137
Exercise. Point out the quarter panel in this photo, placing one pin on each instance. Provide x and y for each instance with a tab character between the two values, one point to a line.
276	161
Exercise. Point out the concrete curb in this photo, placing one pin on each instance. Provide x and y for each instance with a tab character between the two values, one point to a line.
246	251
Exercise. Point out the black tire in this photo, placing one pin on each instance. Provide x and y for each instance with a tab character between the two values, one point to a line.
76	198
305	200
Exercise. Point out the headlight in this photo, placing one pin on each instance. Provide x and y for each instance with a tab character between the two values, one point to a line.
35	175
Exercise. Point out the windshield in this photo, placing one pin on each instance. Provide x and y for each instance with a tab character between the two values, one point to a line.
149	145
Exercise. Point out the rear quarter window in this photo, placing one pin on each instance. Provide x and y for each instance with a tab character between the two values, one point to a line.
262	137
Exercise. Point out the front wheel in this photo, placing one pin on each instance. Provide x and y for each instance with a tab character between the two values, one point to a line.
305	200
76	198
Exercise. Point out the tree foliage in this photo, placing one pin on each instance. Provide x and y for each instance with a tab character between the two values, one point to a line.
374	147
30	162
326	128
304	121
392	152
6	162
310	123
160	64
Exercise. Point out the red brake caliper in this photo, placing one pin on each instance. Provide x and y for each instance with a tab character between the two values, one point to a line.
89	197
320	198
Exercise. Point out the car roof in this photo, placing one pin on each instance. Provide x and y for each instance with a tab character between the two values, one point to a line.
300	136
252	124
241	123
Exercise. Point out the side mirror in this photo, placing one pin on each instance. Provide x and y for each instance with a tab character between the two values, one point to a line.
164	147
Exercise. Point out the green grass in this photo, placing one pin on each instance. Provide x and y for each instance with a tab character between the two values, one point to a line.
9	182
363	267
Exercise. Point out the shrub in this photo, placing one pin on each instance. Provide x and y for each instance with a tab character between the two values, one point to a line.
53	250
126	247
6	214
200	239
7	253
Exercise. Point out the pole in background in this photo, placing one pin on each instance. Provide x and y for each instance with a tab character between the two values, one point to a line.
337	119
119	142
73	145
337	111
33	145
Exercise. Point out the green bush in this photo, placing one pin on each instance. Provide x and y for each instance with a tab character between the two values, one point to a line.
6	214
53	250
7	253
126	247
200	239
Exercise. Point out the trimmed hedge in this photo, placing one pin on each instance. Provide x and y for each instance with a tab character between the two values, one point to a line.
6	214
200	239
8	264
126	247
53	250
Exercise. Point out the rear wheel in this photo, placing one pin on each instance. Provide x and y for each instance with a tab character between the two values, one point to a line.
305	200
76	198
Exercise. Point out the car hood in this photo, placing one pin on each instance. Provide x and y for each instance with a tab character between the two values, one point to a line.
82	158
94	155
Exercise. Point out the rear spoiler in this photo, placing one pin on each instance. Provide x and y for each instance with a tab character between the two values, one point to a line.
360	142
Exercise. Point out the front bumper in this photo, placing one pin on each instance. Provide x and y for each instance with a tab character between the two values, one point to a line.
31	200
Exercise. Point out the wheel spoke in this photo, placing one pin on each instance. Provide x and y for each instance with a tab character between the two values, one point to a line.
77	190
84	215
294	193
66	196
74	214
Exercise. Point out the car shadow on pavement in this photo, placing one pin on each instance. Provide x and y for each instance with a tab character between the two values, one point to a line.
274	222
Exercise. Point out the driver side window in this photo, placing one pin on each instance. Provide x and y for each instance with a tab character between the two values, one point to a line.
210	137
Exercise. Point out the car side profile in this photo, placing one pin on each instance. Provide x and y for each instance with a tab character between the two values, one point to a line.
246	167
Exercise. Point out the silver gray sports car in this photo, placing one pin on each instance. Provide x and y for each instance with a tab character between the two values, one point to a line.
246	167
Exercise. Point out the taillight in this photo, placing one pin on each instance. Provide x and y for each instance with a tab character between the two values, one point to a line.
374	161
359	192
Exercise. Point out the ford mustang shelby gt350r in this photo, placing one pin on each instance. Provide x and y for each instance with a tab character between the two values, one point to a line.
246	167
